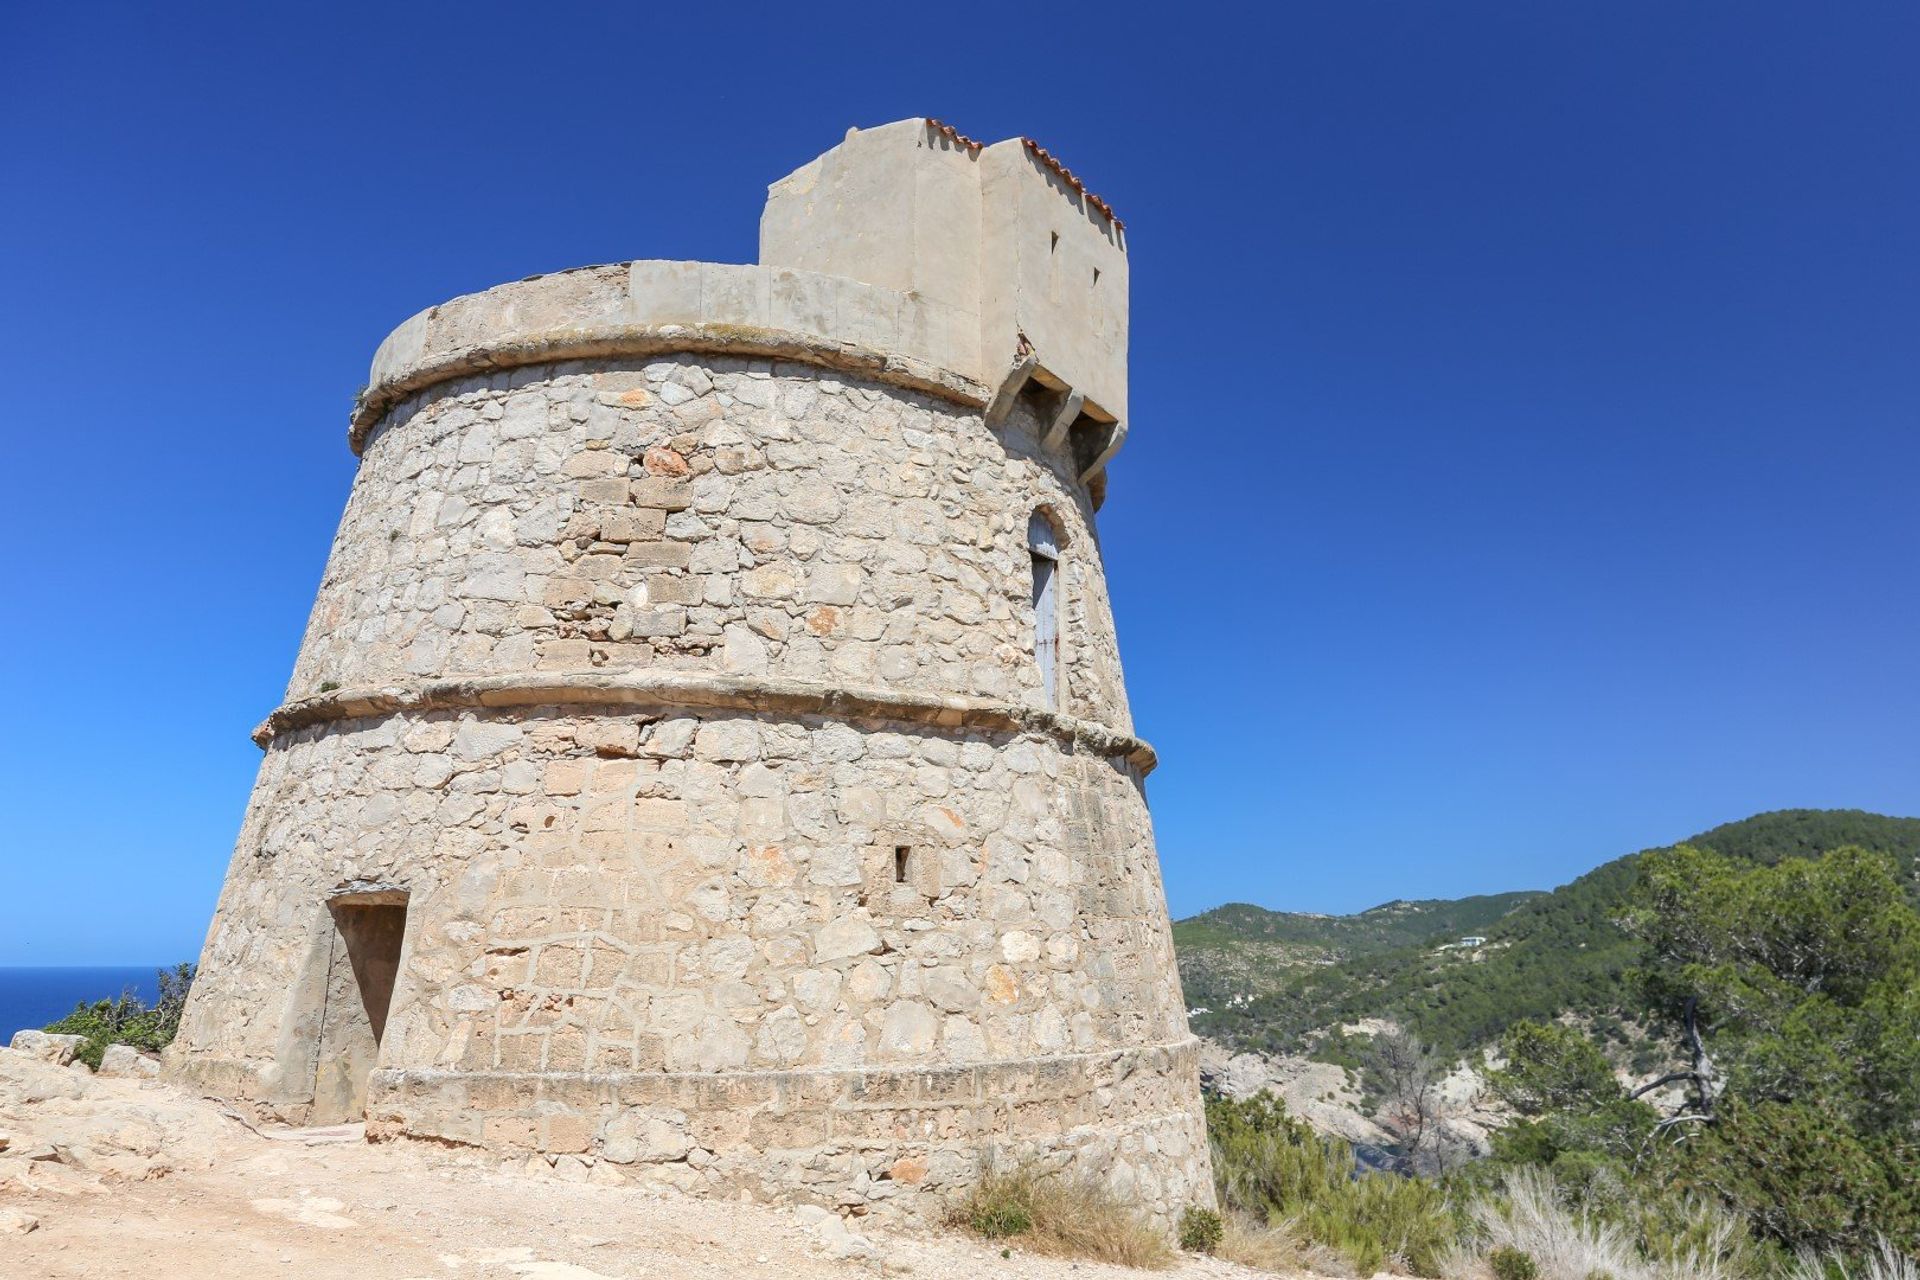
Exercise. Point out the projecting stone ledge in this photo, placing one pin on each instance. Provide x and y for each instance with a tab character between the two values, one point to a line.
648	308
666	690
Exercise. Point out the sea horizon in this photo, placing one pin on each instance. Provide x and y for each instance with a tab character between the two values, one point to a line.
31	996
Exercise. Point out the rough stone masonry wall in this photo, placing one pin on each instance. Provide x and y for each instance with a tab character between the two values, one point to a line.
667	940
718	515
674	943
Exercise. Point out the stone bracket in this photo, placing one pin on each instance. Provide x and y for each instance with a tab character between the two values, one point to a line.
1115	438
1010	387
1063	420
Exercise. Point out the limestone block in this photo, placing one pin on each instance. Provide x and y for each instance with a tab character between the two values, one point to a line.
734	294
849	935
837	1240
483	740
664	292
47	1046
909	1029
1019	947
727	741
605	490
594	464
868	981
659	555
834	584
662	493
637	525
776	581
782	1037
633	620
813	501
949	989
816	989
127	1062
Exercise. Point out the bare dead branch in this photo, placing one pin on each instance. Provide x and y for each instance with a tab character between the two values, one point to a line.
1706	1078
1668	1078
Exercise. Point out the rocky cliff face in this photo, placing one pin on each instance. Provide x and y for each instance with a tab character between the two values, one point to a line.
1327	1096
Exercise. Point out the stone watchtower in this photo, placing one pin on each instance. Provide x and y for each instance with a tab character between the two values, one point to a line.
708	757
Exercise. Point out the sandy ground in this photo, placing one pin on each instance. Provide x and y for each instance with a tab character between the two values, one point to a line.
118	1178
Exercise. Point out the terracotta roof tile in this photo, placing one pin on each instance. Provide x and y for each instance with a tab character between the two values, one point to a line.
1046	157
1039	153
953	134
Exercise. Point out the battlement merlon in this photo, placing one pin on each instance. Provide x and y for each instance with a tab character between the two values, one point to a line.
908	253
1002	234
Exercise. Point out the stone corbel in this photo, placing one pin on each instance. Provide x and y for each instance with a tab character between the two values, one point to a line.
1115	439
1010	386
1070	407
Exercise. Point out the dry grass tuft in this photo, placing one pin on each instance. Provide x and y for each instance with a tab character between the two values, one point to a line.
1886	1262
1566	1242
1263	1247
1061	1215
1563	1244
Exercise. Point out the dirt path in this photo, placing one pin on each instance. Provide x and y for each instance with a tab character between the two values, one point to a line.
125	1179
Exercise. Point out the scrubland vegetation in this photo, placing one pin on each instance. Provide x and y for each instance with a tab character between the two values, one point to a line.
1775	986
1547	956
127	1019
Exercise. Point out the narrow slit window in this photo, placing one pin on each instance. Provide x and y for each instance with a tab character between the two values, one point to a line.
1043	546
902	855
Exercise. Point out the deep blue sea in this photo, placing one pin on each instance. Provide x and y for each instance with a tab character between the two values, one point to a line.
35	997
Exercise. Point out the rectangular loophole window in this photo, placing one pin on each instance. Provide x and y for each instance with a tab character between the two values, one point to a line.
901	854
1044	545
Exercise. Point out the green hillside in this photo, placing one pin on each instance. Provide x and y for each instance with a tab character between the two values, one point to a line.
1546	954
1244	950
1387	925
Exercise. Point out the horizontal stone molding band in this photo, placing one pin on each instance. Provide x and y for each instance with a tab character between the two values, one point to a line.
880	1086
602	341
673	690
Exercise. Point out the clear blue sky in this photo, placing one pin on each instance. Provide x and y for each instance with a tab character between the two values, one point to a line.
1523	464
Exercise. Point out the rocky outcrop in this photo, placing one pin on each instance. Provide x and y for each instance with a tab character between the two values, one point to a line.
123	1061
1321	1094
1317	1092
71	1131
44	1046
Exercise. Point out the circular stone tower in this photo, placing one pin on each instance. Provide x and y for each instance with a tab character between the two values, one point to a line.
708	757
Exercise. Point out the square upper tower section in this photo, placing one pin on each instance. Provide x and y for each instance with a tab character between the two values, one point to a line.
1003	237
